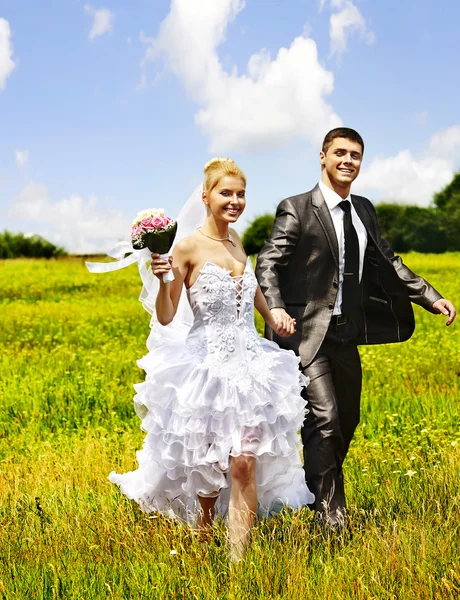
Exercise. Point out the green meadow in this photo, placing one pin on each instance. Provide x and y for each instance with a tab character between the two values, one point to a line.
69	341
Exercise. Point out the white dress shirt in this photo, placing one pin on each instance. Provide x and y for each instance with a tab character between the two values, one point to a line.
333	200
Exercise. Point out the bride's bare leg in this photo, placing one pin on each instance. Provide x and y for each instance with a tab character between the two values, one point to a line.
207	513
243	503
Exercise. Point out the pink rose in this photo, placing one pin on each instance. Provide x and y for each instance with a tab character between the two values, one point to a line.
166	222
137	231
148	224
158	223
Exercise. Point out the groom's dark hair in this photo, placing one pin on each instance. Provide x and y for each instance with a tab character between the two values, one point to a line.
341	132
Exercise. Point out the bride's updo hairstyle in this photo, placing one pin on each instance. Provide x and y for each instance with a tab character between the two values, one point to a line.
220	167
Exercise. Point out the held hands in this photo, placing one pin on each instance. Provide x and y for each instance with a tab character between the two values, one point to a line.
282	323
160	266
445	307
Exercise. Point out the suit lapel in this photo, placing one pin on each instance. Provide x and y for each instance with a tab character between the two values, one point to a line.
365	217
324	216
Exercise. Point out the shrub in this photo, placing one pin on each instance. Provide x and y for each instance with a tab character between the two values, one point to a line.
257	232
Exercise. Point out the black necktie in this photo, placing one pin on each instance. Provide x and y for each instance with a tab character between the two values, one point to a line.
351	296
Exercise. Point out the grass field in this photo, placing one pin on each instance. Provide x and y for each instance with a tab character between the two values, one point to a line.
69	341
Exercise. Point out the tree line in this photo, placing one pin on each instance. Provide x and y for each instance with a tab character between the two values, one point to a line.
433	229
15	245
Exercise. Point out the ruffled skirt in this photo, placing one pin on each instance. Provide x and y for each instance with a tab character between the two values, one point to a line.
196	420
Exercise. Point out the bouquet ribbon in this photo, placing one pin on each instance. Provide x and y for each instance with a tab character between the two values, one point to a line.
142	257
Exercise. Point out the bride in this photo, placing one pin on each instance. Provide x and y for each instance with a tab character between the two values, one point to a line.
220	405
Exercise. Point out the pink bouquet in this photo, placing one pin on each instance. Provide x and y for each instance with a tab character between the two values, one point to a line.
152	229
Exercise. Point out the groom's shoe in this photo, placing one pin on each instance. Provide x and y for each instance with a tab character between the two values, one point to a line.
334	521
330	507
333	524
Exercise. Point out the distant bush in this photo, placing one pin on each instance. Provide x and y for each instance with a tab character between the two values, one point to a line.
15	245
258	231
416	228
433	229
447	201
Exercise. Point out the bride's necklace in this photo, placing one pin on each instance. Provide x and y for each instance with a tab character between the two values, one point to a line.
225	239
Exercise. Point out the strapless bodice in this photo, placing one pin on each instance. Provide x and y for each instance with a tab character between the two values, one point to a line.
223	333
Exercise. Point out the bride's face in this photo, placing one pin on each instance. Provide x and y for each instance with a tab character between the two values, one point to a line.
227	199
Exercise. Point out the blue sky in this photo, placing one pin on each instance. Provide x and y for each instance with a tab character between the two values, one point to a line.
107	108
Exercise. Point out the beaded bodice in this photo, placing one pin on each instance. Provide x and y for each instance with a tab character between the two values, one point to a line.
223	334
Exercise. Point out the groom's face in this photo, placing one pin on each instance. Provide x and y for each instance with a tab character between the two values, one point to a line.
342	161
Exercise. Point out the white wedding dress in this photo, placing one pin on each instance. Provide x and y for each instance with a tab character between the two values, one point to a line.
214	391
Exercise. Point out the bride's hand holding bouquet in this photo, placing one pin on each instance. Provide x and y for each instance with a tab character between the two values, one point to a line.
161	267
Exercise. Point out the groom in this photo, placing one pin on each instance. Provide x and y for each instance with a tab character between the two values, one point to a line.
326	266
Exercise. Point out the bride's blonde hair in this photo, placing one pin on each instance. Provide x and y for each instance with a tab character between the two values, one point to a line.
220	167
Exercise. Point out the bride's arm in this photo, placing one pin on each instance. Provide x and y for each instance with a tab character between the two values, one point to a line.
169	293
283	329
261	305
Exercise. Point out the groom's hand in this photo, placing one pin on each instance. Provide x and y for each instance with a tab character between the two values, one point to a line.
445	307
284	323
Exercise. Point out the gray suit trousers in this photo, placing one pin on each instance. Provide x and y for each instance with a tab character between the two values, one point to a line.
334	406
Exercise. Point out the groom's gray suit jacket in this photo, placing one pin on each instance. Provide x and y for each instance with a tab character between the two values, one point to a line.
298	269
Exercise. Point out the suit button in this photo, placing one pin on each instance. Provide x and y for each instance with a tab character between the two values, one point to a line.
335	284
331	306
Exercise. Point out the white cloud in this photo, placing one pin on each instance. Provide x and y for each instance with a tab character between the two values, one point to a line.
22	158
7	63
413	179
346	20
446	143
74	222
276	101
103	20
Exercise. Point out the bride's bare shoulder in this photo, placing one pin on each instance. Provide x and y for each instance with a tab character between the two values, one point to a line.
187	247
234	233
